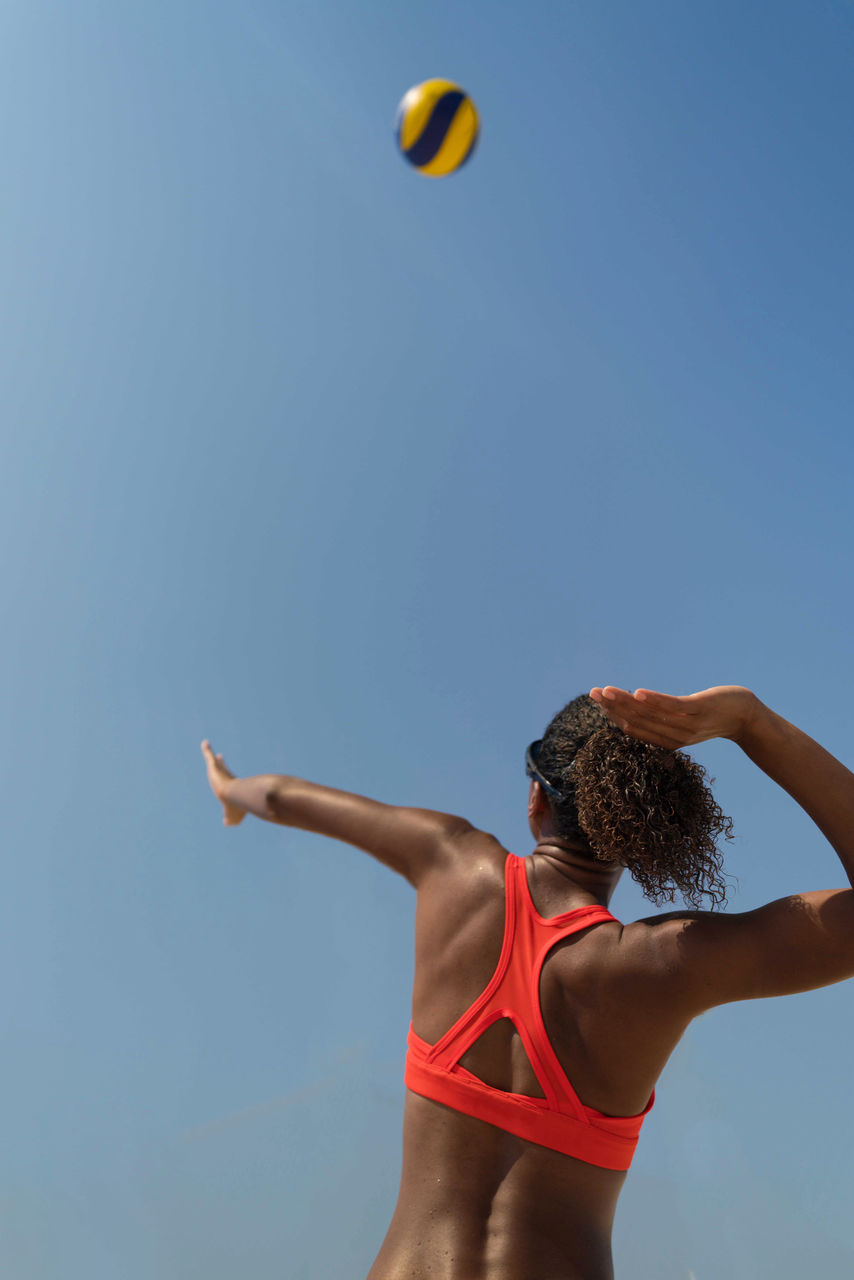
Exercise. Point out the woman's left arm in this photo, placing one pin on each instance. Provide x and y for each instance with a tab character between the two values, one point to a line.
412	842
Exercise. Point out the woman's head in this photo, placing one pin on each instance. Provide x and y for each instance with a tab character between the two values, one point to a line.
644	807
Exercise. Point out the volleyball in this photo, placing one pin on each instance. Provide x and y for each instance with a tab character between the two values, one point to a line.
437	127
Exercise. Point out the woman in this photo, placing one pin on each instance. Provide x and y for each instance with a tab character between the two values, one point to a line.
524	981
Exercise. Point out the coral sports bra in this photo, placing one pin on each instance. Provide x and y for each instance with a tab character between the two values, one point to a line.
560	1120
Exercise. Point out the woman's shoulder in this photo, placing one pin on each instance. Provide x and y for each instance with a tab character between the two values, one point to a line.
471	871
478	856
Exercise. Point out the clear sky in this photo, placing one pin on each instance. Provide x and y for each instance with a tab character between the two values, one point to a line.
362	476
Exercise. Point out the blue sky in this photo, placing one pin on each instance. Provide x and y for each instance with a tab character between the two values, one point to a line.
362	476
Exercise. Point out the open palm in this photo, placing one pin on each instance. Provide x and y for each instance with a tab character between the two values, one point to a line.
673	721
219	776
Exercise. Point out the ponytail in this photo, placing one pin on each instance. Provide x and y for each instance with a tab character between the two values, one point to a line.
645	807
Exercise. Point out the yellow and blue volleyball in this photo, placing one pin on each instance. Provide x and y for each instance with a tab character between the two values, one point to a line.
437	127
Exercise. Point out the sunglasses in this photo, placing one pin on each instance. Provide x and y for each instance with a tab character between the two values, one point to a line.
533	772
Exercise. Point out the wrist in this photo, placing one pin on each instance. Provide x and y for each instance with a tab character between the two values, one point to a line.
755	714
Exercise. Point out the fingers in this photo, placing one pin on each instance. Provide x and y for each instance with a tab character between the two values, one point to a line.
656	730
210	760
213	760
615	702
659	707
667	702
652	717
219	777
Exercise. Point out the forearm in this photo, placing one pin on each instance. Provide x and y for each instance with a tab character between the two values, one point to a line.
294	802
410	841
819	782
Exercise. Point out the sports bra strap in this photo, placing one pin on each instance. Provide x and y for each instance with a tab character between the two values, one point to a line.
559	1119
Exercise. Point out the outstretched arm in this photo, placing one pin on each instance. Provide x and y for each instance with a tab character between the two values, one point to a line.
412	842
796	943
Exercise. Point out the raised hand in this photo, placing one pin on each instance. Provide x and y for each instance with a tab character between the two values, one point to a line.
670	721
219	776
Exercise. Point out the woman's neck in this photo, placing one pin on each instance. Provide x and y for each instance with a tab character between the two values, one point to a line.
568	864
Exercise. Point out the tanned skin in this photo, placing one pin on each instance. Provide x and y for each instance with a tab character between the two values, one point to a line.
476	1203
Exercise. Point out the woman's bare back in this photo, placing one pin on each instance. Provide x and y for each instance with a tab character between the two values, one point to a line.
477	1203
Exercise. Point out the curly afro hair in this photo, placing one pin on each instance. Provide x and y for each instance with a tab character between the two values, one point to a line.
643	806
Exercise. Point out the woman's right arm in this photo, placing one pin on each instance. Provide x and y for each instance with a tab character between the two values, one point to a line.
796	943
413	842
819	782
